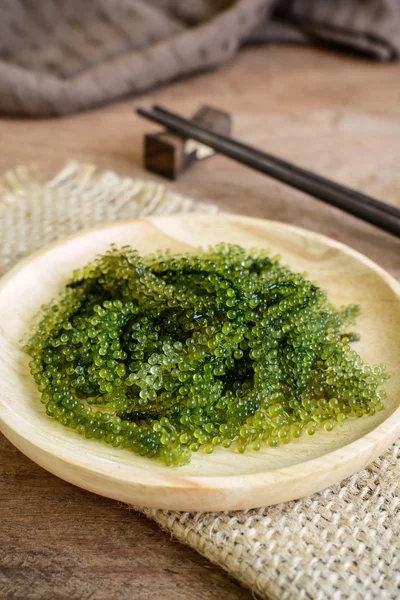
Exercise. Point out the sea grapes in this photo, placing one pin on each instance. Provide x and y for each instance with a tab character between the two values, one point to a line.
169	354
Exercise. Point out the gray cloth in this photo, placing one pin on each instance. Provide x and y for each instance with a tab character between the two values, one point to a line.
62	56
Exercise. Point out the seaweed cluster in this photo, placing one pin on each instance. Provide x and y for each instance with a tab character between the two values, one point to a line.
169	354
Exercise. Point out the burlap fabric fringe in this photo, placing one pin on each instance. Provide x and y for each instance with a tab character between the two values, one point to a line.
343	543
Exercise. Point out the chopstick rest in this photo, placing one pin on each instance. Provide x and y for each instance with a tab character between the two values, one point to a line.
170	155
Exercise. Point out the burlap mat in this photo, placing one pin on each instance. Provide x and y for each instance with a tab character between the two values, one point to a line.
60	56
343	543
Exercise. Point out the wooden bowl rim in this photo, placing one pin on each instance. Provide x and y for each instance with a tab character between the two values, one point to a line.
371	444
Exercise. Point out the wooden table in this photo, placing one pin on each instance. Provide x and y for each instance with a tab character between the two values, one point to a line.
336	114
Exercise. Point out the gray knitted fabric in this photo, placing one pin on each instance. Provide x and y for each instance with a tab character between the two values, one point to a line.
61	56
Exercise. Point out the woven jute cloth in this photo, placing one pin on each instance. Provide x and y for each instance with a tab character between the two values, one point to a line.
342	543
60	56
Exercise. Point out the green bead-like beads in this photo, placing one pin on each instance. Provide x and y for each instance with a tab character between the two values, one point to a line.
166	355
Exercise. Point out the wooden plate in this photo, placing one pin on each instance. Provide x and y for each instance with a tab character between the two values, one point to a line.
224	480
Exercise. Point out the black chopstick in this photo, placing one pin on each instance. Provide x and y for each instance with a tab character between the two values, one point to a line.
271	165
284	164
374	211
278	161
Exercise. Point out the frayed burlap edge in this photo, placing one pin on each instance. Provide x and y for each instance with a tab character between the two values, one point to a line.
35	210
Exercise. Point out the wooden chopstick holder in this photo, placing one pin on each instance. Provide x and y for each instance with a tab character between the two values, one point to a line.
170	155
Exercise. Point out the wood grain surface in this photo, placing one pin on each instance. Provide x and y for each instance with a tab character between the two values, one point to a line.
333	113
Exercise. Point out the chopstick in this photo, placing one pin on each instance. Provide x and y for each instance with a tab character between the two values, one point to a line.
277	161
369	209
